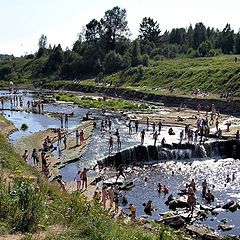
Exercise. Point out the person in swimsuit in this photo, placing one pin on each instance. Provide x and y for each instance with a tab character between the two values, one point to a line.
84	177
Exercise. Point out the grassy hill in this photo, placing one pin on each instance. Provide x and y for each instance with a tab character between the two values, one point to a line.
212	74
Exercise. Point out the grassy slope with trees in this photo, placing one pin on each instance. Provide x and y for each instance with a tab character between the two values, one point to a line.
183	57
213	74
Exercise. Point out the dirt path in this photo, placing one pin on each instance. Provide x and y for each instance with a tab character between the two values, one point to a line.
6	127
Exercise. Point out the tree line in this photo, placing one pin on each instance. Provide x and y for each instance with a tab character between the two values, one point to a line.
104	46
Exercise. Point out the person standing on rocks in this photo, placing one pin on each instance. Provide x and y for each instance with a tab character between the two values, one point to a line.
130	127
133	210
136	125
120	172
104	196
147	123
35	157
81	137
59	136
142	136
216	124
78	180
204	187
65	141
110	143
66	121
119	142
193	185
61	120
84	177
116	200
155	137
111	195
191	202
77	138
159	126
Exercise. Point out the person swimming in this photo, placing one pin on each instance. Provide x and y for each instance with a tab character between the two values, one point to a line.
148	208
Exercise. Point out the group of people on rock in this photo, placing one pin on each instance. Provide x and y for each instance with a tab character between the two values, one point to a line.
64	118
81	179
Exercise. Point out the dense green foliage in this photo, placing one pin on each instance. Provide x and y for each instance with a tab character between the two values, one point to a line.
112	104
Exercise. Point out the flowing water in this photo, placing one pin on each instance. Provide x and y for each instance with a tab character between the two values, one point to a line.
214	170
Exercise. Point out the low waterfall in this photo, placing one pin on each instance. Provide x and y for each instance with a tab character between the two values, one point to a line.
141	153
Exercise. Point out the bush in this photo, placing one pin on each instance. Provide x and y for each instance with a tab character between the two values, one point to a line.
145	60
112	62
20	206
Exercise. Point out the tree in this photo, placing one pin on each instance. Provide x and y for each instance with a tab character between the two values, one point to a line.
112	62
200	35
149	30
92	31
204	48
136	53
190	34
178	36
227	39
237	43
55	59
42	45
114	26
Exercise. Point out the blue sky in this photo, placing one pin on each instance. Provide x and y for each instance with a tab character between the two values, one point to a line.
23	21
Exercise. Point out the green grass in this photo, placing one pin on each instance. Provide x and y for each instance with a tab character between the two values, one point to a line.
112	104
213	74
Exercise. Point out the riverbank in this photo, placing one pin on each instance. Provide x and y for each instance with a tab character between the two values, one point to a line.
55	161
52	218
169	100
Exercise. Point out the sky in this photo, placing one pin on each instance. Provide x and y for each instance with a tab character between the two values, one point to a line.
23	21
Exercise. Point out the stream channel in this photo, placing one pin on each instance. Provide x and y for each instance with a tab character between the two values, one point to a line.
215	170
